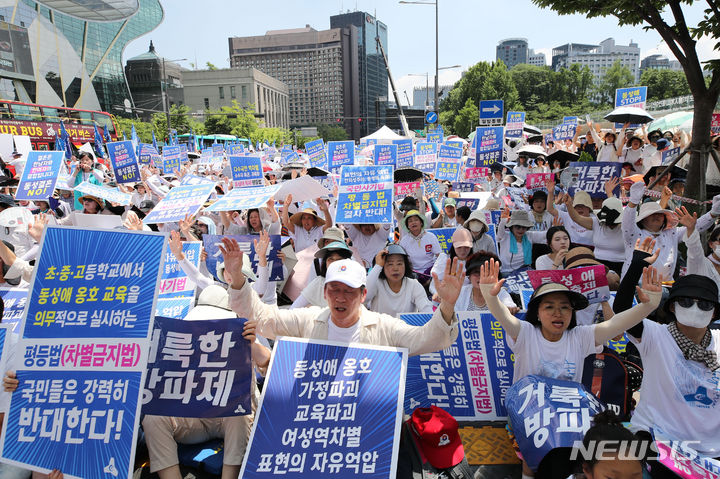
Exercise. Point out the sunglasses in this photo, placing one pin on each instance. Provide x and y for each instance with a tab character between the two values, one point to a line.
703	304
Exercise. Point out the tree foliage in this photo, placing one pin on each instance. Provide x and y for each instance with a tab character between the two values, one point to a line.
664	83
617	76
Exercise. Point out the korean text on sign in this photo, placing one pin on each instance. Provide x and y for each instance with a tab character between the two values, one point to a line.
590	281
179	202
125	165
246	171
340	153
404	153
365	195
489	145
40	175
593	175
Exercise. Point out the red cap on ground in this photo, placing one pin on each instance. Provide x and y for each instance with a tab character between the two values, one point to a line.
437	434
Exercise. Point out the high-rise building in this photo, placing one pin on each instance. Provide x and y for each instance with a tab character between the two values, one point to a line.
598	58
658	62
69	52
537	59
318	67
512	51
424	96
372	74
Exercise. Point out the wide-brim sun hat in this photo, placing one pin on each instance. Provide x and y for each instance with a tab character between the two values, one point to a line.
412	213
582	198
611	211
100	202
580	256
213	303
520	218
335	247
577	300
332	234
651	208
477	216
296	219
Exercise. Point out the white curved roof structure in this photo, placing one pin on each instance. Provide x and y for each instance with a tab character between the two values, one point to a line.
95	10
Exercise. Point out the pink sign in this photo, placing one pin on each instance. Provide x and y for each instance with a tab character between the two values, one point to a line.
686	464
406	189
537	180
590	281
477	172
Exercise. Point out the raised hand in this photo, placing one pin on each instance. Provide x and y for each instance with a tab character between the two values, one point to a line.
448	289
610	185
133	222
10	382
36	229
380	257
233	257
550	184
651	283
505	213
489	273
646	246
186	223
686	219
176	245
557	221
261	244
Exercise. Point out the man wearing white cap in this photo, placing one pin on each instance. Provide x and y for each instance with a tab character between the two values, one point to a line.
346	319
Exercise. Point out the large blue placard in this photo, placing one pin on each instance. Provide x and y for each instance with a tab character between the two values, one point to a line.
316	152
592	176
426	156
198	369
386	155
40	175
328	410
340	153
212	243
514	124
246	171
180	202
444	236
171	159
174	280
244	198
174	306
365	195
124	162
14	300
112	195
565	131
147	153
489	145
447	170
434	137
404	153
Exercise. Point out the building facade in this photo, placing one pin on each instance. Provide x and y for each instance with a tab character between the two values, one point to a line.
512	51
537	59
154	82
598	58
659	62
69	52
213	89
420	95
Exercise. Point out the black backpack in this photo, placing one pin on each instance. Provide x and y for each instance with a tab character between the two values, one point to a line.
412	464
612	380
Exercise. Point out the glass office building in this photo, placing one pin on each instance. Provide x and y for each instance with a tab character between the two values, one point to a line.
69	52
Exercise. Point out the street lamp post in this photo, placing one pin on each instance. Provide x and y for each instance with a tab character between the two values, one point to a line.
437	42
427	88
164	91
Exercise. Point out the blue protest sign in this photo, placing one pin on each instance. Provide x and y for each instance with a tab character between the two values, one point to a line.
449	153
518	279
447	170
171	159
246	171
563	132
365	195
206	156
316	151
194	180
112	195
179	202
463	186
174	306
431	117
14	300
470	378
669	155
571	119
491	112
548	413
212	244
444	236
147	152
354	393
340	153
235	150
434	138
198	369
489	146
174	280
40	175
386	154
592	176
632	96
471	203
426	156
245	198
124	162
455	144
514	124
217	151
404	153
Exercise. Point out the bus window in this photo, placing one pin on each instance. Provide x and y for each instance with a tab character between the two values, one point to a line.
26	112
51	115
85	117
103	120
4	110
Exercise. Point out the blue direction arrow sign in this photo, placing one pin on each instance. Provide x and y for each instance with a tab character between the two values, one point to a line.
431	117
491	112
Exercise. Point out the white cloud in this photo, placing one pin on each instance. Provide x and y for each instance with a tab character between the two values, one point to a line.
705	48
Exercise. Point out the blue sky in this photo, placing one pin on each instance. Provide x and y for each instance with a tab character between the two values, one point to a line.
469	30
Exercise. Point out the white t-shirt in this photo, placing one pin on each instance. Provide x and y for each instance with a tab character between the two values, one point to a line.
368	246
422	252
410	299
680	397
544	224
304	238
314	292
563	359
578	234
609	242
343	335
544	263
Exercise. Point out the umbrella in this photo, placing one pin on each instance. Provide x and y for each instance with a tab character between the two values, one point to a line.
629	114
314	171
531	130
456	138
407	175
532	151
564	157
500	167
673	120
686	125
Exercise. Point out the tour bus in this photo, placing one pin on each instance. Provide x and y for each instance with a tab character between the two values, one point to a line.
205	141
41	123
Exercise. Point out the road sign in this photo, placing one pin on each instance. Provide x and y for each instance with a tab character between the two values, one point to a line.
431	117
491	112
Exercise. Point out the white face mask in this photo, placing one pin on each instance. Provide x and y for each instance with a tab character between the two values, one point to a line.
717	251
693	316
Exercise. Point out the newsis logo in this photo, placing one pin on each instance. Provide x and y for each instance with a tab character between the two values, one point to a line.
636	449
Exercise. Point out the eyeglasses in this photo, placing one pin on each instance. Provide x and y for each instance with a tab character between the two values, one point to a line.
703	304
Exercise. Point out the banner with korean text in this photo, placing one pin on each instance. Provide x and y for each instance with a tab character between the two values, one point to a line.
171	157
174	282
590	281
365	195
112	195
180	201
81	359
489	145
386	154
426	156
316	151
328	410
592	176
212	243
340	153
470	378
404	153
40	175
123	160
246	171
244	198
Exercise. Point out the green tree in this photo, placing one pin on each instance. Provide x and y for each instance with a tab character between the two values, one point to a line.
617	76
232	120
466	119
143	129
180	120
210	66
331	133
668	19
664	83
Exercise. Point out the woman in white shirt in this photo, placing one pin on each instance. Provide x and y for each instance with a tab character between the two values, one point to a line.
558	240
368	239
313	294
471	297
391	286
697	262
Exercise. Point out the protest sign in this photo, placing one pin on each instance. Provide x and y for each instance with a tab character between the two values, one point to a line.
174	280
535	181
489	145
194	180
146	154
246	171
316	152
328	182
386	154
455	144
171	159
669	155
444	236
449	153
406	189
447	170
432	188
245	198
218	150
183	153
518	280
212	244
590	281
107	222
715	124
14	301
680	458
571	119
174	306
547	413
471	203
124	162
235	150
425	156
340	153
470	378
592	176
113	195
179	202
86	332
514	124
473	173
404	153
330	409
463	186
198	369
206	156
634	96
40	175
434	138
365	195
563	132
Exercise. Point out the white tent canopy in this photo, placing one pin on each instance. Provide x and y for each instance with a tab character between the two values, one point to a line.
384	133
